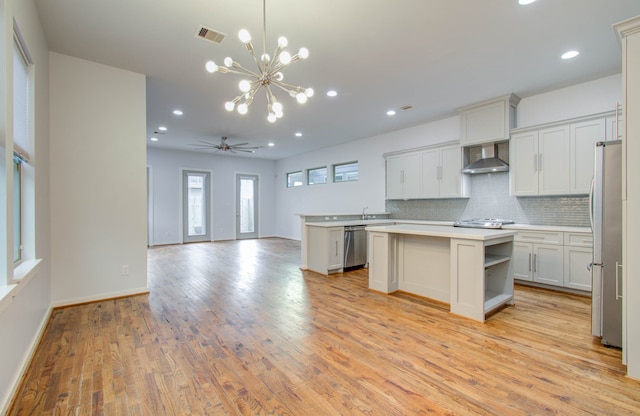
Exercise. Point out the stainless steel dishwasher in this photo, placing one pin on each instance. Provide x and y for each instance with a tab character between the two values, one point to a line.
355	246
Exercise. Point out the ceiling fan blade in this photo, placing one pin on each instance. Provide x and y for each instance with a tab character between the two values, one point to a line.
239	144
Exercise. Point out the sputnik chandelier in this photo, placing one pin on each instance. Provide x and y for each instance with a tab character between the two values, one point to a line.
269	74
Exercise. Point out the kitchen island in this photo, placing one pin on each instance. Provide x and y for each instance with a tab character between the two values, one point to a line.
468	268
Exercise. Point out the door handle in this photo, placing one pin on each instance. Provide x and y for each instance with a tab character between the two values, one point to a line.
535	162
529	261
535	263
618	294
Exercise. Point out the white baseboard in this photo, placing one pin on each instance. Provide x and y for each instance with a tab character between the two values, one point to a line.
100	297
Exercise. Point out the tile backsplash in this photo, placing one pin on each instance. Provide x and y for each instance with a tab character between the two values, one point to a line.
489	198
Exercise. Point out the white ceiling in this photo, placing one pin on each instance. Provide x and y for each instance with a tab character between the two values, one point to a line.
435	55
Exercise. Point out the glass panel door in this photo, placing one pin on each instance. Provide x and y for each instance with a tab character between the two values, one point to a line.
195	223
246	206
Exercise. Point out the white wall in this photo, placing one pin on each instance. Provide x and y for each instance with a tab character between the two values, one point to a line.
166	166
98	180
349	198
23	319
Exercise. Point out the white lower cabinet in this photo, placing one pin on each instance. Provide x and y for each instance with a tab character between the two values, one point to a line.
325	251
578	255
553	258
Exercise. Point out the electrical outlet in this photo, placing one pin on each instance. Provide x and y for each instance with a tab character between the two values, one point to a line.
125	269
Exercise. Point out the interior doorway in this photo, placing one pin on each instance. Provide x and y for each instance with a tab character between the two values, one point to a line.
195	209
247	206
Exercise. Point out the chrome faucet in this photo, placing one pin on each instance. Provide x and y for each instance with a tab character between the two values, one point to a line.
364	216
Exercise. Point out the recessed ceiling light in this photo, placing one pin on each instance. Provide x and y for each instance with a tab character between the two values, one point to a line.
153	139
391	113
525	2
298	134
271	144
570	54
162	128
332	93
178	112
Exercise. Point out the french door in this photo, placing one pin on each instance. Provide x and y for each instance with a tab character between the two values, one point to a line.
246	206
195	206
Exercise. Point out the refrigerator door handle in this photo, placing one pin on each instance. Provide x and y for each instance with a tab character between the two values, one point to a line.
593	184
618	294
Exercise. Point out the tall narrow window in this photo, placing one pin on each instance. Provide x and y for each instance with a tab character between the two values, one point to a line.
22	140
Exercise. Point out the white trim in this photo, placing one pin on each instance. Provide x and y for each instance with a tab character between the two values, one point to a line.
28	357
150	217
101	297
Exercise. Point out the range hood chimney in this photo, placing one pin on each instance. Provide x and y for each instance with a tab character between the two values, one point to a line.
488	163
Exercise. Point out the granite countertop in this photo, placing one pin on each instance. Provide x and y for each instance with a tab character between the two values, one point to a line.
377	221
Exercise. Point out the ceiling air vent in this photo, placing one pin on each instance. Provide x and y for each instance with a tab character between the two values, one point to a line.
210	35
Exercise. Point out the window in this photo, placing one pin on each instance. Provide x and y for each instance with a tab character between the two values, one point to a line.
294	179
317	175
344	172
23	186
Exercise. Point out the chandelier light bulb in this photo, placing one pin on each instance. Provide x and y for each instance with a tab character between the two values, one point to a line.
301	97
276	107
279	114
285	57
229	106
228	61
303	53
244	35
243	108
244	85
282	42
279	76
211	66
272	118
309	92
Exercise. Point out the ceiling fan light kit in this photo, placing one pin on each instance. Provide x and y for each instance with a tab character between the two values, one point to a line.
269	74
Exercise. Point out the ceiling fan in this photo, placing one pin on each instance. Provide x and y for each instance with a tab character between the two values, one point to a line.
223	146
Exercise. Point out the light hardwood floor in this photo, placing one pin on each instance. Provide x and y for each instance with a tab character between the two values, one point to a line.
235	327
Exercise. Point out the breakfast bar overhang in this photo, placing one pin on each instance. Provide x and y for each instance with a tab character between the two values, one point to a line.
468	268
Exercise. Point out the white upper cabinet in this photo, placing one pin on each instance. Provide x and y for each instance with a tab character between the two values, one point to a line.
556	159
524	163
583	141
441	177
430	172
489	121
403	176
553	157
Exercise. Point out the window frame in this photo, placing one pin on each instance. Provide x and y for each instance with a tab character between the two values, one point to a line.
338	165
289	184
319	168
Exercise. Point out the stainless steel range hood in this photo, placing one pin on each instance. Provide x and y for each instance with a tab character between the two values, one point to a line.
488	163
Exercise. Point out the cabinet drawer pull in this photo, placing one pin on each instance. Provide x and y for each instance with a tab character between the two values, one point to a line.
534	237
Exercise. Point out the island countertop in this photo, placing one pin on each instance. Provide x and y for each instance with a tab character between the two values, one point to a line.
440	231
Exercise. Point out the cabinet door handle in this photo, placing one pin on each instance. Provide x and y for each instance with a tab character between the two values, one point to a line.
535	162
540	162
336	249
529	261
535	263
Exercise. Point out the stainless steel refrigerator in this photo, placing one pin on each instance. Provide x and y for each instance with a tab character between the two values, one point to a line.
606	223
